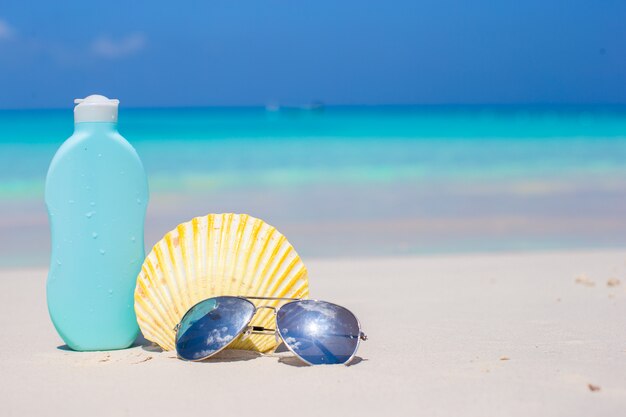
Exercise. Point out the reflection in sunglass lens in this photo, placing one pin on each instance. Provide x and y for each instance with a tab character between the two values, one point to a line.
211	325
319	332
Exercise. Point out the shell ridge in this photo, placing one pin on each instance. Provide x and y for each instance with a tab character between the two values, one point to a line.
175	276
278	282
217	238
270	265
166	280
154	331
199	269
288	290
239	236
271	259
223	242
253	240
256	276
231	253
209	247
183	266
153	298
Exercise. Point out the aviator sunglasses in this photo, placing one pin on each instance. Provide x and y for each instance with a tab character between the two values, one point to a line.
317	332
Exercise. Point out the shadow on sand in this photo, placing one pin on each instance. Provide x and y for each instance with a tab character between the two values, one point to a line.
232	356
295	361
229	355
140	341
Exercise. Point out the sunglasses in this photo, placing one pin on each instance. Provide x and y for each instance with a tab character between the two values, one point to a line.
317	332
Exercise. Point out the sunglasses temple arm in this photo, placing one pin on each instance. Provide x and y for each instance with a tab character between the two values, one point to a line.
270	332
260	330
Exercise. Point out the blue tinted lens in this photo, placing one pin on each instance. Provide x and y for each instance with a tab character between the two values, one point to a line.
211	325
319	332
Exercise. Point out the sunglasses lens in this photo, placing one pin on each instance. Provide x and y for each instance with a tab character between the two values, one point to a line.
211	325
319	332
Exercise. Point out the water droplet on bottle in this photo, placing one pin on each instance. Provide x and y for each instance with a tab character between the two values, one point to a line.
99	155
89	214
94	235
70	201
92	204
132	238
139	201
102	251
110	293
58	262
121	172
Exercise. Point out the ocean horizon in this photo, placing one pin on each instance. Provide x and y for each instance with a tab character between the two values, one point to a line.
350	180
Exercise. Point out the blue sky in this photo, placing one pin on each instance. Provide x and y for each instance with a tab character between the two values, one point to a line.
240	52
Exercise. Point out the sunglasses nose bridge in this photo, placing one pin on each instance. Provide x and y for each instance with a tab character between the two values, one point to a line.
258	329
268	307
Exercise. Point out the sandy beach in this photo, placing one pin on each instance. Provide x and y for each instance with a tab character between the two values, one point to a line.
474	335
453	173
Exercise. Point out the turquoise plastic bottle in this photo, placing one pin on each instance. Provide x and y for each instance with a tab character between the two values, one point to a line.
96	196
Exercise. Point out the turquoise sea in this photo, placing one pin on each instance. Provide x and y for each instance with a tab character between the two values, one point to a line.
353	181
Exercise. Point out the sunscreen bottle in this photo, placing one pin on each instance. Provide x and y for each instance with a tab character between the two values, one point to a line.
96	196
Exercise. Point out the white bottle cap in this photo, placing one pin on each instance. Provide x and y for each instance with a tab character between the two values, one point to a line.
95	108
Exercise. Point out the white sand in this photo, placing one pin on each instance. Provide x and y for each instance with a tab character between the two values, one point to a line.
493	335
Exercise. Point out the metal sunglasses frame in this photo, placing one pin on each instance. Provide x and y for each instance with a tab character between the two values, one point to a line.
260	330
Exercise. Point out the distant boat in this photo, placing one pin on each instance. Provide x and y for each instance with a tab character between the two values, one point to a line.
316	106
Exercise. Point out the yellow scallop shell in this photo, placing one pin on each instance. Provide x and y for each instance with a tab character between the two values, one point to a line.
218	254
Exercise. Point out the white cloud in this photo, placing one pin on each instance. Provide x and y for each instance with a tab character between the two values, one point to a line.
216	336
6	31
106	47
325	309
293	343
